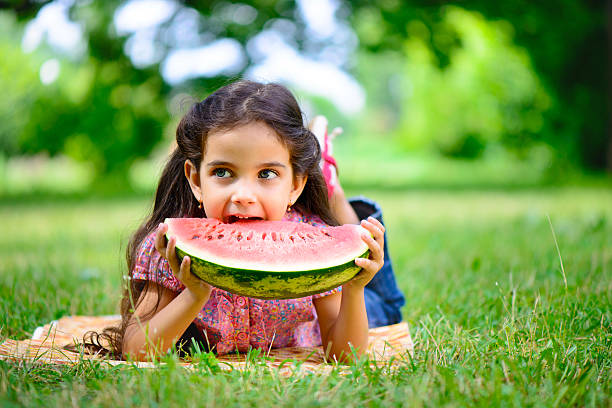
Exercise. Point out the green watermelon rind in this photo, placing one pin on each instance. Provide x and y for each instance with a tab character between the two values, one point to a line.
272	284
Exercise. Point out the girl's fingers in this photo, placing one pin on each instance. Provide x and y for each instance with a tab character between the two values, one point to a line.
184	268
171	256
362	262
376	252
374	227
368	264
160	238
377	223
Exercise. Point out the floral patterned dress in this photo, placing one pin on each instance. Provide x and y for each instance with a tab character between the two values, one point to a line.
232	322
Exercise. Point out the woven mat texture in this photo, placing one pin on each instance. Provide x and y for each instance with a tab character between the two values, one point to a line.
386	344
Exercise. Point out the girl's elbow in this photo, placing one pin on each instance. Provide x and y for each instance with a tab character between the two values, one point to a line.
137	348
345	355
133	349
138	352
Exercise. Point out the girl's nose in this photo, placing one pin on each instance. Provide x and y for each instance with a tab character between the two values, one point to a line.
243	195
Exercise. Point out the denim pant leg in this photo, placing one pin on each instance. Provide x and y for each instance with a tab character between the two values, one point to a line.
383	299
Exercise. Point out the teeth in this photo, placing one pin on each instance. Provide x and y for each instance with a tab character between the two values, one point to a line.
234	218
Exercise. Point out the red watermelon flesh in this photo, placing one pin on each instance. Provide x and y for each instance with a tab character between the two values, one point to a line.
281	246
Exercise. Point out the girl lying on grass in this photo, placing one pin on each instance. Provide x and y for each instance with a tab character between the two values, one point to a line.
244	152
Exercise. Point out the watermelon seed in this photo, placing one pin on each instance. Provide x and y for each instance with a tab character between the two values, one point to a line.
195	237
263	236
291	238
273	236
239	237
209	237
219	236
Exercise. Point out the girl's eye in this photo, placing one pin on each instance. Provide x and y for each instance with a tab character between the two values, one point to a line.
268	174
221	173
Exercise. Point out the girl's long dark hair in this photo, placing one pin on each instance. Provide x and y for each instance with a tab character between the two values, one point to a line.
233	105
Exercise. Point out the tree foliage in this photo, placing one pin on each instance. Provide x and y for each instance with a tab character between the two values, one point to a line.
466	65
486	93
104	109
567	44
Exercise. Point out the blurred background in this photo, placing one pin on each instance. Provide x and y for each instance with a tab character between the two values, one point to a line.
430	94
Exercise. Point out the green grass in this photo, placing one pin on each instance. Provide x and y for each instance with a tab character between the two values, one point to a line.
487	302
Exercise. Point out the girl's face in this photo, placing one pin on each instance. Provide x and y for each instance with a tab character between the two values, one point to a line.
245	173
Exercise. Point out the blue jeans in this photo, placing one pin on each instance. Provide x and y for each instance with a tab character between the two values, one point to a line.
383	299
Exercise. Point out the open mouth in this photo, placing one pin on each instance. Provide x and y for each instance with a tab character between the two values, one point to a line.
238	218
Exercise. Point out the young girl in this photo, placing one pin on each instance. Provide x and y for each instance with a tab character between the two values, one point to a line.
244	152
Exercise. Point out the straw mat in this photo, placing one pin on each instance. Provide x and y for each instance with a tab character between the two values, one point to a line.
386	345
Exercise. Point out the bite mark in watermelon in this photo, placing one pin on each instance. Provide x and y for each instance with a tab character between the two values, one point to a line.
269	259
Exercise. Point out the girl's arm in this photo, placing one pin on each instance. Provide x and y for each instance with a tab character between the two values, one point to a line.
144	339
174	313
343	320
343	323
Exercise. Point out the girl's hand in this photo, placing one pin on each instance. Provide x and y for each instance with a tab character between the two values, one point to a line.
182	272
375	261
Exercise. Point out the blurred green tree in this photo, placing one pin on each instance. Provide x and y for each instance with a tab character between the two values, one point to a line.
102	109
568	42
19	82
487	92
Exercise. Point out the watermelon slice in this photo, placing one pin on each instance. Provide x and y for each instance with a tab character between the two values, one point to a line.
269	259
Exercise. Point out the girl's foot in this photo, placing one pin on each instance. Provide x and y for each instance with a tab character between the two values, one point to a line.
328	165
